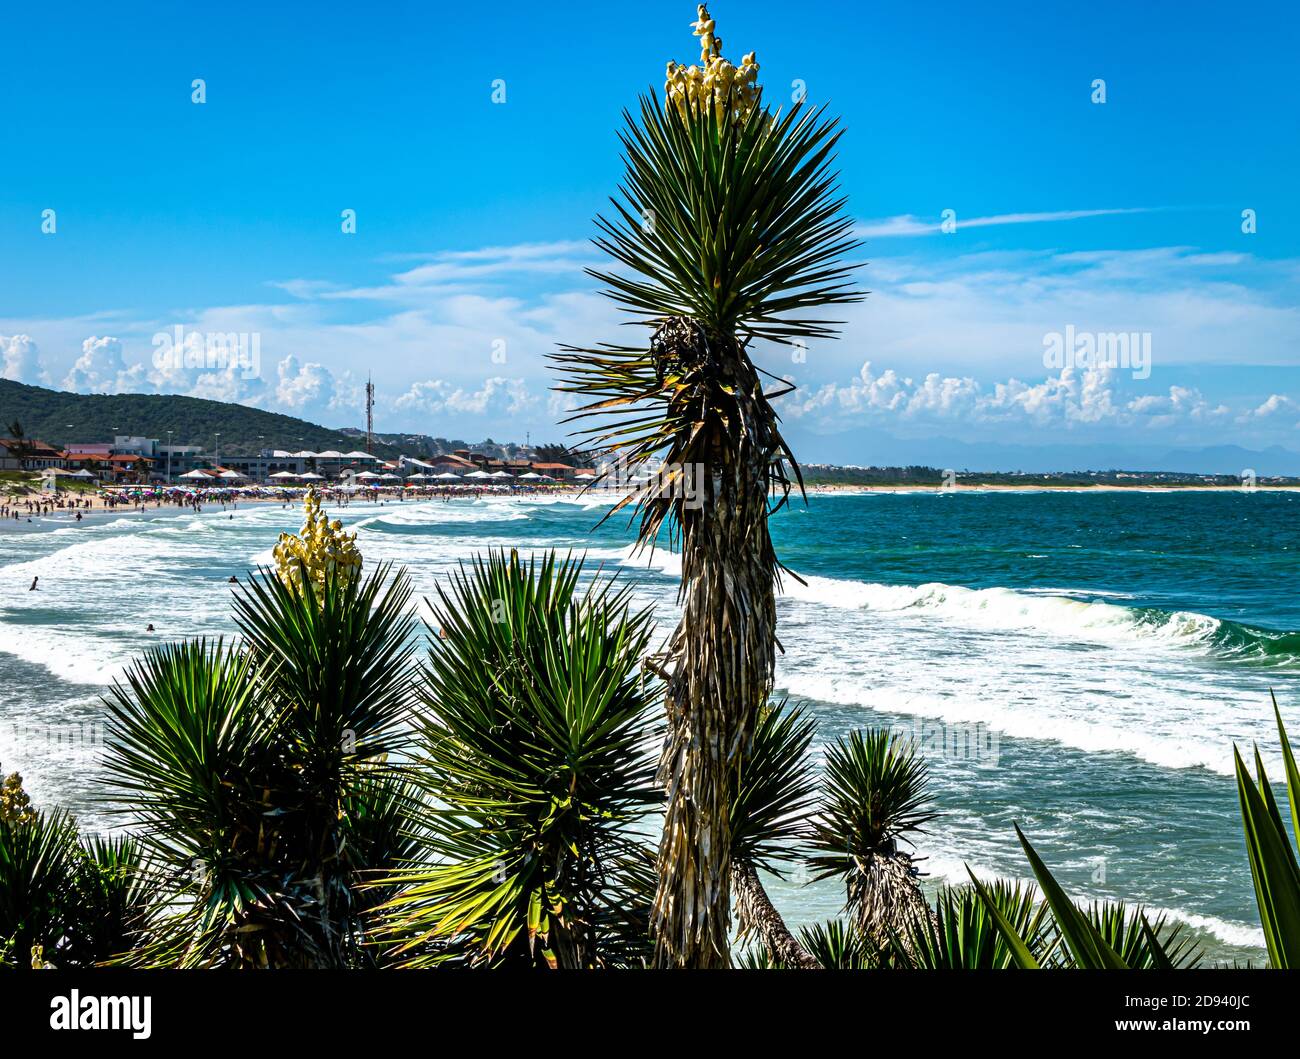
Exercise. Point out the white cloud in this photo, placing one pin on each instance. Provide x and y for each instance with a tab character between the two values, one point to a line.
102	368
20	360
1277	404
309	389
498	395
908	224
463	335
1074	397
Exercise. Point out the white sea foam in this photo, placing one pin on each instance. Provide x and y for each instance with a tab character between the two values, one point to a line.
953	871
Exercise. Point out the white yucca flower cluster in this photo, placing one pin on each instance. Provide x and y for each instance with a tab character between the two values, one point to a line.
320	550
731	91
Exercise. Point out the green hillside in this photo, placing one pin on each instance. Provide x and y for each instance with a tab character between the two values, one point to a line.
62	418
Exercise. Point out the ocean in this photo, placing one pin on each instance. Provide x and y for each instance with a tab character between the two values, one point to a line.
1077	663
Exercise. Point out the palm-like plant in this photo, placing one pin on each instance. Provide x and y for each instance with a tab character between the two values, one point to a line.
535	739
38	862
731	230
875	795
66	901
963	935
1274	868
115	892
257	769
771	796
1106	936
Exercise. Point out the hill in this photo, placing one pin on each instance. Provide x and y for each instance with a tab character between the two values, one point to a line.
62	418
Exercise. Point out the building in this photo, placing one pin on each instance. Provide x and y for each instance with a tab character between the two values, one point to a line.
171	461
329	464
130	445
29	454
560	471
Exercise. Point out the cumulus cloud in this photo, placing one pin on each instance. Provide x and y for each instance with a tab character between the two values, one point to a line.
498	396
1075	396
1277	404
20	360
102	368
307	388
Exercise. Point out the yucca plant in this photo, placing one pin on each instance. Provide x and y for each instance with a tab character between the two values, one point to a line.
729	230
1108	936
963	935
874	797
38	863
1141	941
256	769
115	893
66	901
1104	937
772	794
535	747
1273	866
833	945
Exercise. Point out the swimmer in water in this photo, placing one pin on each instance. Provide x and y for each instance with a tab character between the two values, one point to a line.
149	627
233	580
33	588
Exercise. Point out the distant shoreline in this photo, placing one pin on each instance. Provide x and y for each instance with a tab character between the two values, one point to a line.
909	487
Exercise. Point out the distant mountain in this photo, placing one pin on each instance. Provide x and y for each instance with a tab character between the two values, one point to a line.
869	447
1232	459
64	418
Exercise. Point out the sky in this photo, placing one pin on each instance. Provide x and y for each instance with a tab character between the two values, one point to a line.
1028	180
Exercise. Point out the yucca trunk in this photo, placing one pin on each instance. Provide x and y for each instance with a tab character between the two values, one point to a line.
756	913
886	899
722	655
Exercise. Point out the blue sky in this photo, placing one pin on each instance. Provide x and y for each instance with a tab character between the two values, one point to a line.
472	217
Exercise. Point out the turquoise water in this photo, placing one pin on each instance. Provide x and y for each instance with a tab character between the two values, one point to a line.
1080	664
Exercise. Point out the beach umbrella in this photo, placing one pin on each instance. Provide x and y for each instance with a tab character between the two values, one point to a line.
312	476
283	474
196	475
230	474
500	474
446	476
546	478
390	477
583	477
530	475
478	474
83	473
367	474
